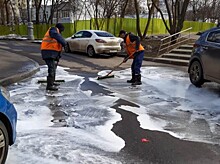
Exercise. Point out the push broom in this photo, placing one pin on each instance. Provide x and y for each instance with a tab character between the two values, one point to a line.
109	74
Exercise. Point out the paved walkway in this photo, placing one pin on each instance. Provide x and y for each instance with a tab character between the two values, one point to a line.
15	68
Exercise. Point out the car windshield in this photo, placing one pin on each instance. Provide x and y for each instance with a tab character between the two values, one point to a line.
104	34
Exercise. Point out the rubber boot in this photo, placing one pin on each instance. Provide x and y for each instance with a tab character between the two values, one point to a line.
132	79
54	83
137	80
50	81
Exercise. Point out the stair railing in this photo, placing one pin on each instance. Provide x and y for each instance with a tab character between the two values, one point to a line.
172	41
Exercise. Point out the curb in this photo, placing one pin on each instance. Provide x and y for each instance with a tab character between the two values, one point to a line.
20	76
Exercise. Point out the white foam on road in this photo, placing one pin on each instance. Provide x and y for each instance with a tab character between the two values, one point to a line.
39	142
170	103
147	122
166	102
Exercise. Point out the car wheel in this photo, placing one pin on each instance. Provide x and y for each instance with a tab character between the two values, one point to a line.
91	51
196	74
4	142
67	48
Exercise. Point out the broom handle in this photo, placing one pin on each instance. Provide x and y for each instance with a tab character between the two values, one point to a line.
118	65
115	68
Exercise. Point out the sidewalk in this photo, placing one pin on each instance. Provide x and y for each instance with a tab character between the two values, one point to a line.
15	67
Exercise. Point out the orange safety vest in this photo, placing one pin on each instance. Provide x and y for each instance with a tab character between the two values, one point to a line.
131	47
49	43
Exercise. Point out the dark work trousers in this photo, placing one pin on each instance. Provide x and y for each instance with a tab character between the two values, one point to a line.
51	64
137	63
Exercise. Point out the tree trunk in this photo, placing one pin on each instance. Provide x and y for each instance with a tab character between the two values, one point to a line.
37	7
122	15
96	15
176	14
137	18
7	13
107	24
150	12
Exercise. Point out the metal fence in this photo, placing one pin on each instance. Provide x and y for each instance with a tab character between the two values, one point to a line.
113	26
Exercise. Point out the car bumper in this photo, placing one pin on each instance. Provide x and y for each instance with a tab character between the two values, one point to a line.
109	49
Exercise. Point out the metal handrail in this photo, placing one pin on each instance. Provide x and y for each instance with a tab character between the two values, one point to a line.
168	45
176	33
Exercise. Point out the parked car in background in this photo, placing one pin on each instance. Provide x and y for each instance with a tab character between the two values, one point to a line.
204	64
94	42
8	121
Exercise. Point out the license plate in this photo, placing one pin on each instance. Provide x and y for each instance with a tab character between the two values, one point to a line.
113	51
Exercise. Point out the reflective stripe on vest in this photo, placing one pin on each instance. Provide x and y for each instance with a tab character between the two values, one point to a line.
131	47
49	43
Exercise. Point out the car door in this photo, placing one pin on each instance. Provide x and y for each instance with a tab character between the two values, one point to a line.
84	41
211	55
74	42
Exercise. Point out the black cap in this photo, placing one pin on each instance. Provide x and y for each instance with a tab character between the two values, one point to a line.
122	32
60	26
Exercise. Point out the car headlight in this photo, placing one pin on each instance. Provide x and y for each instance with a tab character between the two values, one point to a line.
5	93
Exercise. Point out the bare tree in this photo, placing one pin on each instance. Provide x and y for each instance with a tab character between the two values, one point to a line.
56	6
111	9
107	8
4	12
97	12
77	8
130	10
176	11
122	10
192	14
45	12
53	6
204	10
22	10
136	4
123	7
9	12
150	12
37	5
102	10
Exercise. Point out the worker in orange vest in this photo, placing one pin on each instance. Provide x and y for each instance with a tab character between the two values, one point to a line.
51	48
134	51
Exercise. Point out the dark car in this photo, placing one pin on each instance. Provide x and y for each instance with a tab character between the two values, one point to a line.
8	120
204	65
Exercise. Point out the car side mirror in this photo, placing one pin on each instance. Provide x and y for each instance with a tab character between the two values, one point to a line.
73	37
199	33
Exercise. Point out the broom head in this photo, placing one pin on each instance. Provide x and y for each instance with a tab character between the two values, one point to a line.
105	77
45	81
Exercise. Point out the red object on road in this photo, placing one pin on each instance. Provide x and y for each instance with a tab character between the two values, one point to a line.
145	140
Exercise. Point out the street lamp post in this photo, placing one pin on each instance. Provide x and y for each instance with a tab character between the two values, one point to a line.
30	24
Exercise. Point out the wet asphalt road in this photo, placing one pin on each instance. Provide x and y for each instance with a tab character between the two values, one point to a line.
162	148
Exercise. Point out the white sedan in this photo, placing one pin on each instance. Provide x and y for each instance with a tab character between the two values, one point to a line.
93	42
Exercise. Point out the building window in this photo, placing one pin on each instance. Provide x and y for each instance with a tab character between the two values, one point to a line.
65	14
